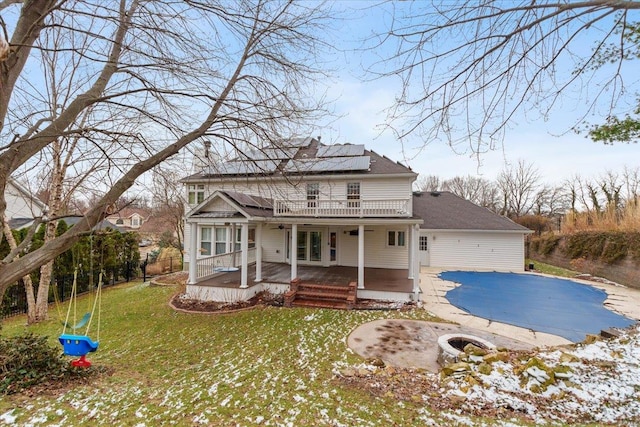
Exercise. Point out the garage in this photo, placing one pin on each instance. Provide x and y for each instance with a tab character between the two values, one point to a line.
459	234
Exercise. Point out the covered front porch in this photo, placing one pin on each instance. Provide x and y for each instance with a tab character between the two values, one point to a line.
379	283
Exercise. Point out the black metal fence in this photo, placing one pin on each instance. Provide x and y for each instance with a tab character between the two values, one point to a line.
15	299
160	266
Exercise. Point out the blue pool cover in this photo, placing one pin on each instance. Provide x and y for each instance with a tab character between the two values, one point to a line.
544	304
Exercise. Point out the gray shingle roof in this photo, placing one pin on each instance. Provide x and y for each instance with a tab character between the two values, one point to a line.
445	211
306	152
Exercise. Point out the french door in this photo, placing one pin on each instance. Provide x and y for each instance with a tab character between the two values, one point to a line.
308	247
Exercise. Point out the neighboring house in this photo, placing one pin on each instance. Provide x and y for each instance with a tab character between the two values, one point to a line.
22	206
314	212
129	218
72	220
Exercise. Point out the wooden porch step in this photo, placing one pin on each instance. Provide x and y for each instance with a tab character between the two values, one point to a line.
314	303
328	288
322	295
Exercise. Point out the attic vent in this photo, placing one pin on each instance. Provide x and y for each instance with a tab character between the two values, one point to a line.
435	193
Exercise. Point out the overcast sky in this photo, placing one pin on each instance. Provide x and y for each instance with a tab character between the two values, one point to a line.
556	151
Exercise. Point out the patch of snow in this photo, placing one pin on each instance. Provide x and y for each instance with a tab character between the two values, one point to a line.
8	417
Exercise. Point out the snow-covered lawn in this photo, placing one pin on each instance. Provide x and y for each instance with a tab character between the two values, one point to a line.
283	367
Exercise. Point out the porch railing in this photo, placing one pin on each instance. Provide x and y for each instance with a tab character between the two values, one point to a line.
222	263
343	208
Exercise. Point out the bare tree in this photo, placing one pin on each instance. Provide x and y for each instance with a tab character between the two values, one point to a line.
469	68
169	198
519	186
154	77
631	182
478	190
429	183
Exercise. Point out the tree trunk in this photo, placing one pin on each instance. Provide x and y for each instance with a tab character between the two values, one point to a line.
42	301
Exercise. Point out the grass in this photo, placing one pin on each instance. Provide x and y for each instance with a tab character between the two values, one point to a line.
268	366
552	269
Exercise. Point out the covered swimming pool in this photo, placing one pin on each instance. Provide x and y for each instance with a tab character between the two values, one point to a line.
544	304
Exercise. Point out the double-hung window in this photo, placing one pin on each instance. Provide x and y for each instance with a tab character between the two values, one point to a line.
396	238
196	194
205	241
313	194
353	194
221	240
252	239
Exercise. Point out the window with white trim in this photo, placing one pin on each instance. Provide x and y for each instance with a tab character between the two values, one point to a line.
313	194
396	238
353	194
252	238
196	194
424	243
221	240
205	241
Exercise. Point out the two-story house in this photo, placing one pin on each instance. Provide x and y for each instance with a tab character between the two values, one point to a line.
332	214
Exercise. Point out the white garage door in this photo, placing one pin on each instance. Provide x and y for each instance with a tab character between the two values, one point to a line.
468	250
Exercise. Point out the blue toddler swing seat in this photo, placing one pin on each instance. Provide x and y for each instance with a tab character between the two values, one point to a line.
81	345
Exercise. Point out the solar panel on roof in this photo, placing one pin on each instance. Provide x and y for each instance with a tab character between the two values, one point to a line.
244	167
330	164
249	200
346	150
271	153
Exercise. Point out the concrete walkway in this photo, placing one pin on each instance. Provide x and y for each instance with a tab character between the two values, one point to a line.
623	300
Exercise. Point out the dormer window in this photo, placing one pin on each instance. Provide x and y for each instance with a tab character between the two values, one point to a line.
196	194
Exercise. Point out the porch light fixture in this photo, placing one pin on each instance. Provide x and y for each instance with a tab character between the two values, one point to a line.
281	227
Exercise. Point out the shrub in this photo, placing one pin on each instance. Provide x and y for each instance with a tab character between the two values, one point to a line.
27	360
545	244
608	247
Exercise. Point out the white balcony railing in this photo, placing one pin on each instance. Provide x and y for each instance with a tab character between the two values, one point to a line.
343	208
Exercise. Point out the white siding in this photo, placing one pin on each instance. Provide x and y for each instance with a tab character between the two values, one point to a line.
20	205
376	252
485	251
273	244
370	189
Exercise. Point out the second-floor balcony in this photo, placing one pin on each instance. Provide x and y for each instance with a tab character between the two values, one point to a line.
351	208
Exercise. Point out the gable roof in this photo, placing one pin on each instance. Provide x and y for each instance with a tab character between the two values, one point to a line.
129	212
443	210
303	156
244	204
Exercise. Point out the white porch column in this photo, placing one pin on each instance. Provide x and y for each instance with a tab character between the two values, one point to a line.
415	243
293	252
193	253
259	253
410	243
361	256
231	244
244	250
